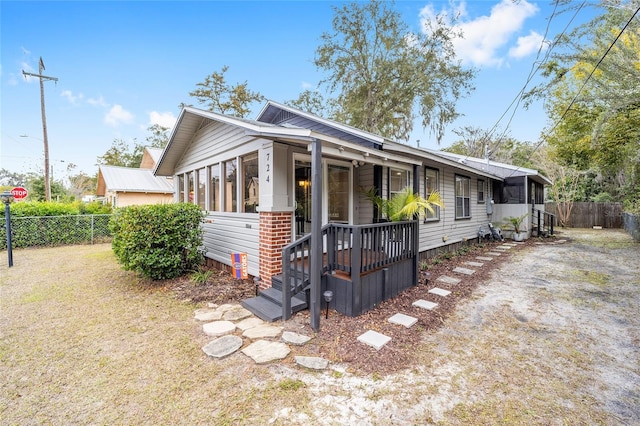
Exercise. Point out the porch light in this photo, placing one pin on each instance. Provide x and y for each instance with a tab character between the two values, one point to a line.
328	296
303	183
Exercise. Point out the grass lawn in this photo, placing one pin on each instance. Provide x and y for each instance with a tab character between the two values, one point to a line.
82	343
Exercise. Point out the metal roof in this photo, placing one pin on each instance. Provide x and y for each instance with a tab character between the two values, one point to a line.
125	179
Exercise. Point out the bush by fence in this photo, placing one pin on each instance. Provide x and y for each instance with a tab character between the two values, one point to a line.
29	231
158	241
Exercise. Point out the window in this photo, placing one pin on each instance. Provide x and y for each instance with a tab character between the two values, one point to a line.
202	183
214	187
398	180
463	199
431	182
250	183
230	186
181	188
191	187
480	191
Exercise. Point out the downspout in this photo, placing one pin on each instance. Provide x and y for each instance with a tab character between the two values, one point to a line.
316	234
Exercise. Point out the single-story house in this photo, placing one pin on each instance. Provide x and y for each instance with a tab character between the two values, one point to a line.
125	186
310	175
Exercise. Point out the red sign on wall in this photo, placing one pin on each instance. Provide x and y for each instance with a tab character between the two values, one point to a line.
19	193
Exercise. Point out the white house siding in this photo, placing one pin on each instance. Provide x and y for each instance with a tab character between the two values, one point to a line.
448	229
226	233
214	143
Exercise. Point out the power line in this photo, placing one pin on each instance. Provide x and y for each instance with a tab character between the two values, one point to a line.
566	111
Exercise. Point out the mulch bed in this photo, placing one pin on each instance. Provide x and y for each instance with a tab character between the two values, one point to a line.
337	337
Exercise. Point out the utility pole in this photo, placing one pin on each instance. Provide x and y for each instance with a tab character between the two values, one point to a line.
47	183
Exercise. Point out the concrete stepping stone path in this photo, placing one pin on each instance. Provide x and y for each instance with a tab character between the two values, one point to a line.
424	304
262	351
493	253
295	338
374	339
464	271
218	328
402	319
485	258
262	331
223	346
474	264
448	280
440	291
312	362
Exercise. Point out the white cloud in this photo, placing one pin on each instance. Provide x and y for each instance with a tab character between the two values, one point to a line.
527	45
307	86
164	119
118	115
98	102
73	99
485	35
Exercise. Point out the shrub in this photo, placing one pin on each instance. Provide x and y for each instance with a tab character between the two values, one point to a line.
158	241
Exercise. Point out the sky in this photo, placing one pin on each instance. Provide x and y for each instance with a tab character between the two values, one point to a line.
123	66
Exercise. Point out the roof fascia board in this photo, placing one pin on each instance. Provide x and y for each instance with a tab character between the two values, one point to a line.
344	127
438	159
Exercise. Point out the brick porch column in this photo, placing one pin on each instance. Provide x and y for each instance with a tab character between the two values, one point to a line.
275	233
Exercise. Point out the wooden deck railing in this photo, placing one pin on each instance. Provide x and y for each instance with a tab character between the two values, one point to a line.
352	249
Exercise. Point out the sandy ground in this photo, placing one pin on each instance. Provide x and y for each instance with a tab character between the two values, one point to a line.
552	338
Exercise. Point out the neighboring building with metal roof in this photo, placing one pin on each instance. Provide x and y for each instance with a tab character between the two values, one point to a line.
125	186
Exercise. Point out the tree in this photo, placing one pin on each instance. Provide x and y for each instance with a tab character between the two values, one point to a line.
313	102
219	96
382	72
592	96
159	137
120	154
502	148
12	179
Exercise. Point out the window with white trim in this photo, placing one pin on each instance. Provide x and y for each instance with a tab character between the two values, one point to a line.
431	182
481	191
463	197
398	180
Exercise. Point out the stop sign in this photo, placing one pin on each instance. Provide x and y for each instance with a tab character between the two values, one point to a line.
19	193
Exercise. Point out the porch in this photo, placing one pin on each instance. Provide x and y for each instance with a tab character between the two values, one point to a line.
362	265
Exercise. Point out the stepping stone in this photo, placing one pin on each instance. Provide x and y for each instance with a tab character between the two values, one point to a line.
476	264
424	304
448	280
295	338
262	331
262	351
207	314
402	319
223	346
218	328
493	253
486	259
464	271
505	247
312	362
235	314
440	291
248	323
374	339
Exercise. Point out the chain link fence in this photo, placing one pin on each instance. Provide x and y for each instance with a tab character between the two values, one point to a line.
33	231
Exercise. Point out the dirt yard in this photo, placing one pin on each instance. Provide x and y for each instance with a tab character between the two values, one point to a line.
549	336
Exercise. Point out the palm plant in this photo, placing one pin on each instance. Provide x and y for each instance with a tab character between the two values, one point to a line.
404	205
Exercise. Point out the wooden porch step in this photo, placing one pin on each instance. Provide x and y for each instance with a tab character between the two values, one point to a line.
268	304
263	308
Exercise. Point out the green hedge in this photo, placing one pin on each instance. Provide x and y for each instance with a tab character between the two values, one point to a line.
158	241
39	223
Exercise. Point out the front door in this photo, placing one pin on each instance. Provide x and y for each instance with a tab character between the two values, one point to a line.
336	197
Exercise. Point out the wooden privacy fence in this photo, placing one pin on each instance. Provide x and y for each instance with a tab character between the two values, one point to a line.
588	215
